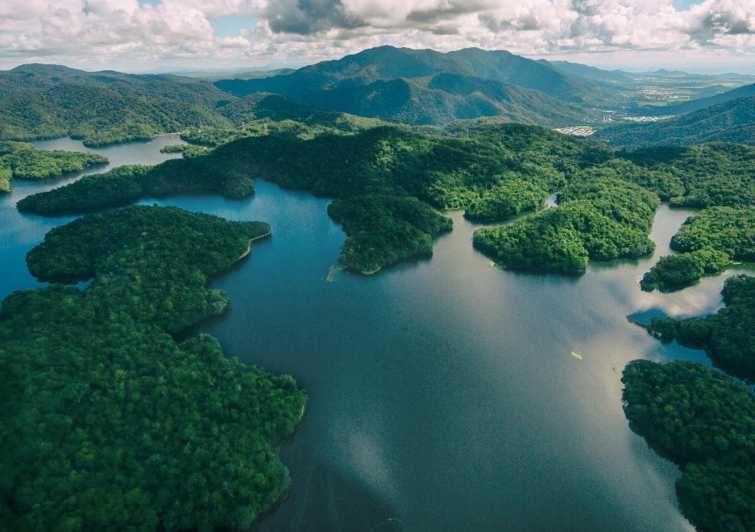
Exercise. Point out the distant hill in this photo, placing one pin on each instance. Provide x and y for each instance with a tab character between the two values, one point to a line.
697	104
102	107
731	121
43	101
590	73
429	87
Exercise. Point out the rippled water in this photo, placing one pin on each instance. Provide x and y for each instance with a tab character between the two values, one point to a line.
443	394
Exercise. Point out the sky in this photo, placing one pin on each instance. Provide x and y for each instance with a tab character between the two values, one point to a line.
192	35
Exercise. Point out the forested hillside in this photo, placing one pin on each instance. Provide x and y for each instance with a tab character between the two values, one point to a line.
732	121
698	104
46	101
497	174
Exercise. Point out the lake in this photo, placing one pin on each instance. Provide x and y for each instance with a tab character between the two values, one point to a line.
443	394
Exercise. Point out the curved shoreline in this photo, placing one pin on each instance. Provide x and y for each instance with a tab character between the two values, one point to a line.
248	250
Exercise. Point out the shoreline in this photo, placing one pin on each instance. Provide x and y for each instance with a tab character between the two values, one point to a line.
248	250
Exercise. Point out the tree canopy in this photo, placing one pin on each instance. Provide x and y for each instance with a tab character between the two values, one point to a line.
107	420
19	160
704	421
707	244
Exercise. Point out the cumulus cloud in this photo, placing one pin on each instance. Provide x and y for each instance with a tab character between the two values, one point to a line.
129	34
310	16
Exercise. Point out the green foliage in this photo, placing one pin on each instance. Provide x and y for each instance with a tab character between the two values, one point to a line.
731	121
187	150
506	169
19	160
506	200
384	230
100	108
674	272
708	243
726	229
728	336
127	184
700	176
42	101
597	219
495	174
704	421
107	422
95	191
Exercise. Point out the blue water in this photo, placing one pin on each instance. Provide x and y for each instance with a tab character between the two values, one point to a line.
443	394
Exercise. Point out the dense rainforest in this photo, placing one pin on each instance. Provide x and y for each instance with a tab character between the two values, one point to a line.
599	218
704	421
19	160
108	422
728	336
707	243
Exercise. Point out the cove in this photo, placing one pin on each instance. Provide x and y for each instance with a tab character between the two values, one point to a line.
443	394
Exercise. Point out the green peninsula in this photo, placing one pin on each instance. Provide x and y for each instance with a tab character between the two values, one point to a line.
108	421
19	160
707	243
704	421
127	184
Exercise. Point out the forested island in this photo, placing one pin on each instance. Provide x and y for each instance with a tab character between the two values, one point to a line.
19	160
108	421
707	243
704	421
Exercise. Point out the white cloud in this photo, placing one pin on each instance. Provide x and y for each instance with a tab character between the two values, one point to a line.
179	33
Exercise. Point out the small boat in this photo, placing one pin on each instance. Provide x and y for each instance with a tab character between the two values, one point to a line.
576	355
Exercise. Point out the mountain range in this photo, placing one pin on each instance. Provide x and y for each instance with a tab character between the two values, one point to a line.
699	103
429	87
415	87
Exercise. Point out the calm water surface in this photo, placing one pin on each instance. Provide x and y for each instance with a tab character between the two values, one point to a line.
443	395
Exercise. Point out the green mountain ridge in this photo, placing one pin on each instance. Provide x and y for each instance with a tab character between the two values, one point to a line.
699	103
429	87
47	101
732	121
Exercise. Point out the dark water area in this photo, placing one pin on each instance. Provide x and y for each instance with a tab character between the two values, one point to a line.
443	395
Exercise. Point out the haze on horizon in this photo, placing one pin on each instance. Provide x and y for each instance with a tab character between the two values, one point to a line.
191	35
